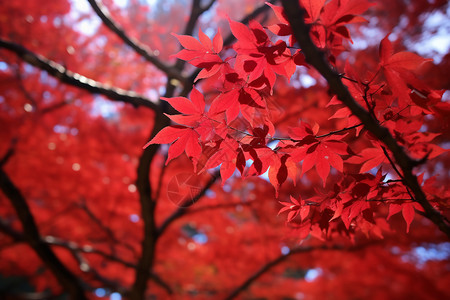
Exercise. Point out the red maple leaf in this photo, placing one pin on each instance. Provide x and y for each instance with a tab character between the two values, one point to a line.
397	68
368	158
259	57
407	209
207	125
318	153
296	208
313	8
229	156
202	53
237	100
182	139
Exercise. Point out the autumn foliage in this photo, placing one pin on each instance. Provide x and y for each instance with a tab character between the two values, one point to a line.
223	149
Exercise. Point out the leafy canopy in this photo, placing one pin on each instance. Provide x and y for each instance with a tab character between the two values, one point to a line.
330	141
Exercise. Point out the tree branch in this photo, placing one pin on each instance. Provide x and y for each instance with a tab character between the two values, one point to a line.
64	276
317	59
338	131
183	206
108	232
196	11
148	206
252	278
73	247
137	46
9	153
58	71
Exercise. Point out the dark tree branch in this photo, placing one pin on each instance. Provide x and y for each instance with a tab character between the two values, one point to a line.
83	206
137	46
148	207
73	247
161	177
64	276
252	278
58	71
45	295
183	206
196	11
9	153
55	106
8	230
33	101
108	232
317	59
25	92
392	163
338	131
86	268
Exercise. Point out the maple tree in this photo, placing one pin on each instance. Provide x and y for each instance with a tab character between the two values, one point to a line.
120	143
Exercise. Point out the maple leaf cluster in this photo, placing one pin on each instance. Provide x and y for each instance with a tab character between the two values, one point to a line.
235	130
86	213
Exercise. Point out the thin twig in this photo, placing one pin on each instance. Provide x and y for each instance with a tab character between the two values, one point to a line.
244	285
391	162
137	46
338	131
9	153
397	171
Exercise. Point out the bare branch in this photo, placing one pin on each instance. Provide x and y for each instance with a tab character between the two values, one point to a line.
64	276
148	206
74	248
137	46
9	153
55	106
161	177
196	11
27	94
58	71
182	210
339	131
109	233
316	58
44	295
243	286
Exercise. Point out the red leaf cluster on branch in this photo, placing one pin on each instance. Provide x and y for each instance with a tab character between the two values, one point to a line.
346	142
239	128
